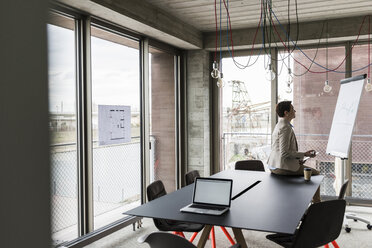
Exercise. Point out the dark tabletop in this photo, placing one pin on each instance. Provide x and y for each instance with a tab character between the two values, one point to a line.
274	204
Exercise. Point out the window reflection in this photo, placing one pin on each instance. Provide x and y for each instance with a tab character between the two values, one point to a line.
62	125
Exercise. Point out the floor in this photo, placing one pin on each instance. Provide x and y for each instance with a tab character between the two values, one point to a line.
359	237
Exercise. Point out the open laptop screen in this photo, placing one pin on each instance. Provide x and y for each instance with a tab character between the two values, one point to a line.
212	191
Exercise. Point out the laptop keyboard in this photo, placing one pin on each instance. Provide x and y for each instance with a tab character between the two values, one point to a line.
206	207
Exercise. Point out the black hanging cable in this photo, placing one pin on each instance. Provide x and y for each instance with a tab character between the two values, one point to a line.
270	30
290	51
248	64
316	54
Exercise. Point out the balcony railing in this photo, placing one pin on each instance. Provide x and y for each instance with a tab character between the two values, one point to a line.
239	146
116	181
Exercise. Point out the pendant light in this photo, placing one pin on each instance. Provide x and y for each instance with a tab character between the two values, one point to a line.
289	76
327	88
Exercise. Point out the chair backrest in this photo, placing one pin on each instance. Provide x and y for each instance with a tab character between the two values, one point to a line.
253	165
155	190
190	176
321	225
165	240
341	195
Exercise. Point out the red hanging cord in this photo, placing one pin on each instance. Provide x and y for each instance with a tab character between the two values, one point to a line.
369	46
347	55
215	18
229	30
228	15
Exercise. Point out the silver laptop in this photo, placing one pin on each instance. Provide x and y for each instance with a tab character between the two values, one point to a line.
211	196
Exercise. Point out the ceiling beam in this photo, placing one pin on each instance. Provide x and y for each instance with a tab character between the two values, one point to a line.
339	30
143	18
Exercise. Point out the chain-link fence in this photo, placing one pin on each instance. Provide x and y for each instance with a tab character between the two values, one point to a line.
240	146
64	187
116	181
116	176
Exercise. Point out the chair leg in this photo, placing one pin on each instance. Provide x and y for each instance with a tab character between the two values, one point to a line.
193	237
346	224
228	235
334	243
326	246
213	238
355	218
179	234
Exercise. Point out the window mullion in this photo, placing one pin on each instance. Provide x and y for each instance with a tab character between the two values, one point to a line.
84	111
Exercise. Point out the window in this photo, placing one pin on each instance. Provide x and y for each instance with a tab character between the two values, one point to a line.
246	101
62	125
116	167
362	138
315	107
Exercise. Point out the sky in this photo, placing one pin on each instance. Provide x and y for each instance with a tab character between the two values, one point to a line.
115	72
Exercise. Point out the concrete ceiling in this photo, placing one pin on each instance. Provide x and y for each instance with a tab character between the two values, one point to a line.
190	24
246	13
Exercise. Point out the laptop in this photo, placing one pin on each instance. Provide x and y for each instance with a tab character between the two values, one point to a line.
211	196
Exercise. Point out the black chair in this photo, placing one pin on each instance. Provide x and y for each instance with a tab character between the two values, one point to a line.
167	240
156	190
321	225
252	165
341	195
190	178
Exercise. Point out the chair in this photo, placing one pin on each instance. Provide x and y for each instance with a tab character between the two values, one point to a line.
190	176
168	240
190	179
252	165
156	190
341	196
321	225
348	215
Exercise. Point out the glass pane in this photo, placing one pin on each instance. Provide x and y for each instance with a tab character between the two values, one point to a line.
246	102
362	138
315	107
163	116
62	124
116	165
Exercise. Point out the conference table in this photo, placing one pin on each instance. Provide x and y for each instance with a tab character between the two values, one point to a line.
261	201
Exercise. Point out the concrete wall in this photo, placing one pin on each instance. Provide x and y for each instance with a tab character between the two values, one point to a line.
198	104
24	146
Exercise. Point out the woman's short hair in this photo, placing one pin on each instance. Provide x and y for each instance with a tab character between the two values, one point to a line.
283	106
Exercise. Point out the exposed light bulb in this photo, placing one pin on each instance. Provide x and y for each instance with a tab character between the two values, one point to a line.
288	89
215	73
270	75
289	76
368	86
220	81
327	88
